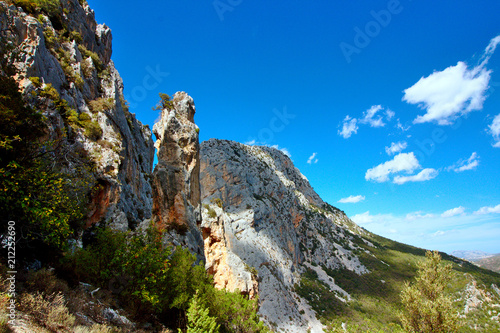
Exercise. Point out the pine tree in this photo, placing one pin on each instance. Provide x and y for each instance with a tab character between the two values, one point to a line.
198	319
427	308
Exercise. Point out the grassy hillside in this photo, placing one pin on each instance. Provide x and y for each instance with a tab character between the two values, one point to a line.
376	296
491	263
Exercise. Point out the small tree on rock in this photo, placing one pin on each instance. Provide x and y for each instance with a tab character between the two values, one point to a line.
426	308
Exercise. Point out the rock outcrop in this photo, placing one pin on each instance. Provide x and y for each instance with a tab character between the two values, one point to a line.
176	182
68	51
263	226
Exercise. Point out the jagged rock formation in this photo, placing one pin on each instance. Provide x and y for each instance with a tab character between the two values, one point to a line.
176	182
263	224
69	51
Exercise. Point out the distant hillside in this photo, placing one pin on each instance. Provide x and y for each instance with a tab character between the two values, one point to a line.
471	255
492	263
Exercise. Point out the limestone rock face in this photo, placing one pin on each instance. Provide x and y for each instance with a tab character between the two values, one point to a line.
263	225
80	70
176	182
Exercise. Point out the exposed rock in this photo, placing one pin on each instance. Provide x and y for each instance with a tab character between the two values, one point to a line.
262	221
124	153
176	182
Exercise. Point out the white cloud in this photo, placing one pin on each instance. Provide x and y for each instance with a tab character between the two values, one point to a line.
396	147
363	218
422	229
426	174
251	142
389	114
463	165
312	159
283	150
454	212
495	130
488	210
406	162
402	127
453	92
369	117
418	216
352	199
349	126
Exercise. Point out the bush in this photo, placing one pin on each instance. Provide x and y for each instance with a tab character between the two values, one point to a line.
51	7
50	92
211	212
45	281
44	202
198	319
36	81
164	103
95	58
50	39
92	130
149	277
49	311
75	35
101	104
86	68
427	308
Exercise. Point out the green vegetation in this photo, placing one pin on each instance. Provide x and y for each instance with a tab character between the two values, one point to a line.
164	103
95	58
45	202
150	278
198	317
427	309
101	104
50	7
376	295
211	212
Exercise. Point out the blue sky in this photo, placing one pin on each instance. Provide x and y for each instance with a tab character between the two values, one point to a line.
391	109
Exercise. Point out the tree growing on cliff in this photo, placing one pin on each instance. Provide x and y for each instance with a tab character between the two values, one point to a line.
427	309
42	199
164	103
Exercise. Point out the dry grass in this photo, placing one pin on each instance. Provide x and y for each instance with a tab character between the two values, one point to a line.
49	311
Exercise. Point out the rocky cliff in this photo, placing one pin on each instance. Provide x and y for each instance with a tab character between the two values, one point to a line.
176	177
60	57
264	226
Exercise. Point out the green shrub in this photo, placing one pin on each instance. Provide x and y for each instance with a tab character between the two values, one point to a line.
164	103
79	81
86	69
218	202
51	7
211	212
44	202
124	104
50	39
36	81
426	307
92	130
75	35
149	277
95	58
41	18
50	92
198	319
84	117
101	104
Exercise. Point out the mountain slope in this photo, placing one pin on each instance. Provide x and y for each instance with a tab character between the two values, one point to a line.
267	232
492	263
